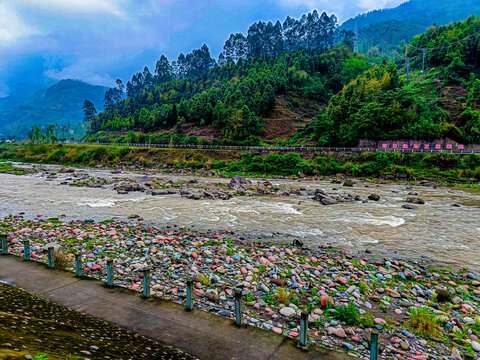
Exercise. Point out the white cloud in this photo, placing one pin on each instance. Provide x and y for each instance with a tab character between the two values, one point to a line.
341	4
295	3
11	26
113	7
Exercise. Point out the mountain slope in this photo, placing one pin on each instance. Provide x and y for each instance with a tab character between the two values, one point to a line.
393	28
59	104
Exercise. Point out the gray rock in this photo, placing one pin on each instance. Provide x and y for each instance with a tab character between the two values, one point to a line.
414	200
287	311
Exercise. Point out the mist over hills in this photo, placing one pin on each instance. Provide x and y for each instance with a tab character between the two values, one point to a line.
59	104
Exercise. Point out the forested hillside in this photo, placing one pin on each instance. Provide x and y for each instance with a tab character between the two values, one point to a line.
442	102
391	29
302	75
59	105
232	96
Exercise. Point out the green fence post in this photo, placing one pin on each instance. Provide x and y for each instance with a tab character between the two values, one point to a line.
189	306
78	265
3	237
51	259
374	345
110	272
146	283
303	328
26	250
238	308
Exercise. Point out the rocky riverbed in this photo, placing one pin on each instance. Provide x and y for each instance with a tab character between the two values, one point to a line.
402	220
422	312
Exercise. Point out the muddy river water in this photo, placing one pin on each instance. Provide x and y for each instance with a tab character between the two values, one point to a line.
436	230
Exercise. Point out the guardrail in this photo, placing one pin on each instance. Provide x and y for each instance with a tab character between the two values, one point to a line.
458	151
190	298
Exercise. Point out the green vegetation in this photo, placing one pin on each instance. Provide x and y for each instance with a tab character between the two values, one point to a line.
444	167
424	322
328	95
348	314
391	29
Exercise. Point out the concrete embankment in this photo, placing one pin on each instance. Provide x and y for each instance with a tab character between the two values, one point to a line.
199	333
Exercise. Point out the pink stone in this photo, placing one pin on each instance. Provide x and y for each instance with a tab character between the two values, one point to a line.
356	339
271	258
288	251
395	340
277	330
263	261
476	283
342	280
153	250
339	332
293	334
243	271
324	300
194	255
198	292
228	292
379	321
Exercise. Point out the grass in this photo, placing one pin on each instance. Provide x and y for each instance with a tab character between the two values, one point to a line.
446	169
423	322
348	314
283	296
204	279
61	260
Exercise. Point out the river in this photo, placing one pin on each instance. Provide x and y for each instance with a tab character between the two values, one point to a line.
437	230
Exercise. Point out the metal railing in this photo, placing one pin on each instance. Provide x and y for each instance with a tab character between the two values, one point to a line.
301	149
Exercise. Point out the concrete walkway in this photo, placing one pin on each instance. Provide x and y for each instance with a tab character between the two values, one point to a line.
199	333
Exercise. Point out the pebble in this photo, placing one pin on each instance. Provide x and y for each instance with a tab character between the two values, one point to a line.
306	276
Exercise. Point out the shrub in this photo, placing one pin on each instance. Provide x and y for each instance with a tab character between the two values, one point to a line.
283	295
367	320
423	322
348	314
61	260
203	279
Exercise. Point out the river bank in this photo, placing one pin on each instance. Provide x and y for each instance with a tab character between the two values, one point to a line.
401	220
442	169
421	311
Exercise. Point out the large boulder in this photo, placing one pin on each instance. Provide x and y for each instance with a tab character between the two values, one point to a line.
323	198
238	180
348	183
415	200
127	187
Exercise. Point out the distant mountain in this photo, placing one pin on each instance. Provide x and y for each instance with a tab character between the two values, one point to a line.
60	104
393	28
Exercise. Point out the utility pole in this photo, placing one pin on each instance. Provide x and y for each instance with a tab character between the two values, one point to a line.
355	42
407	65
424	51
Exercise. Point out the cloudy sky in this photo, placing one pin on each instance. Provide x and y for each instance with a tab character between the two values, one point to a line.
100	40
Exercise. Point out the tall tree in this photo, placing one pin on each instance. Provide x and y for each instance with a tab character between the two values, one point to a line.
89	111
163	70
